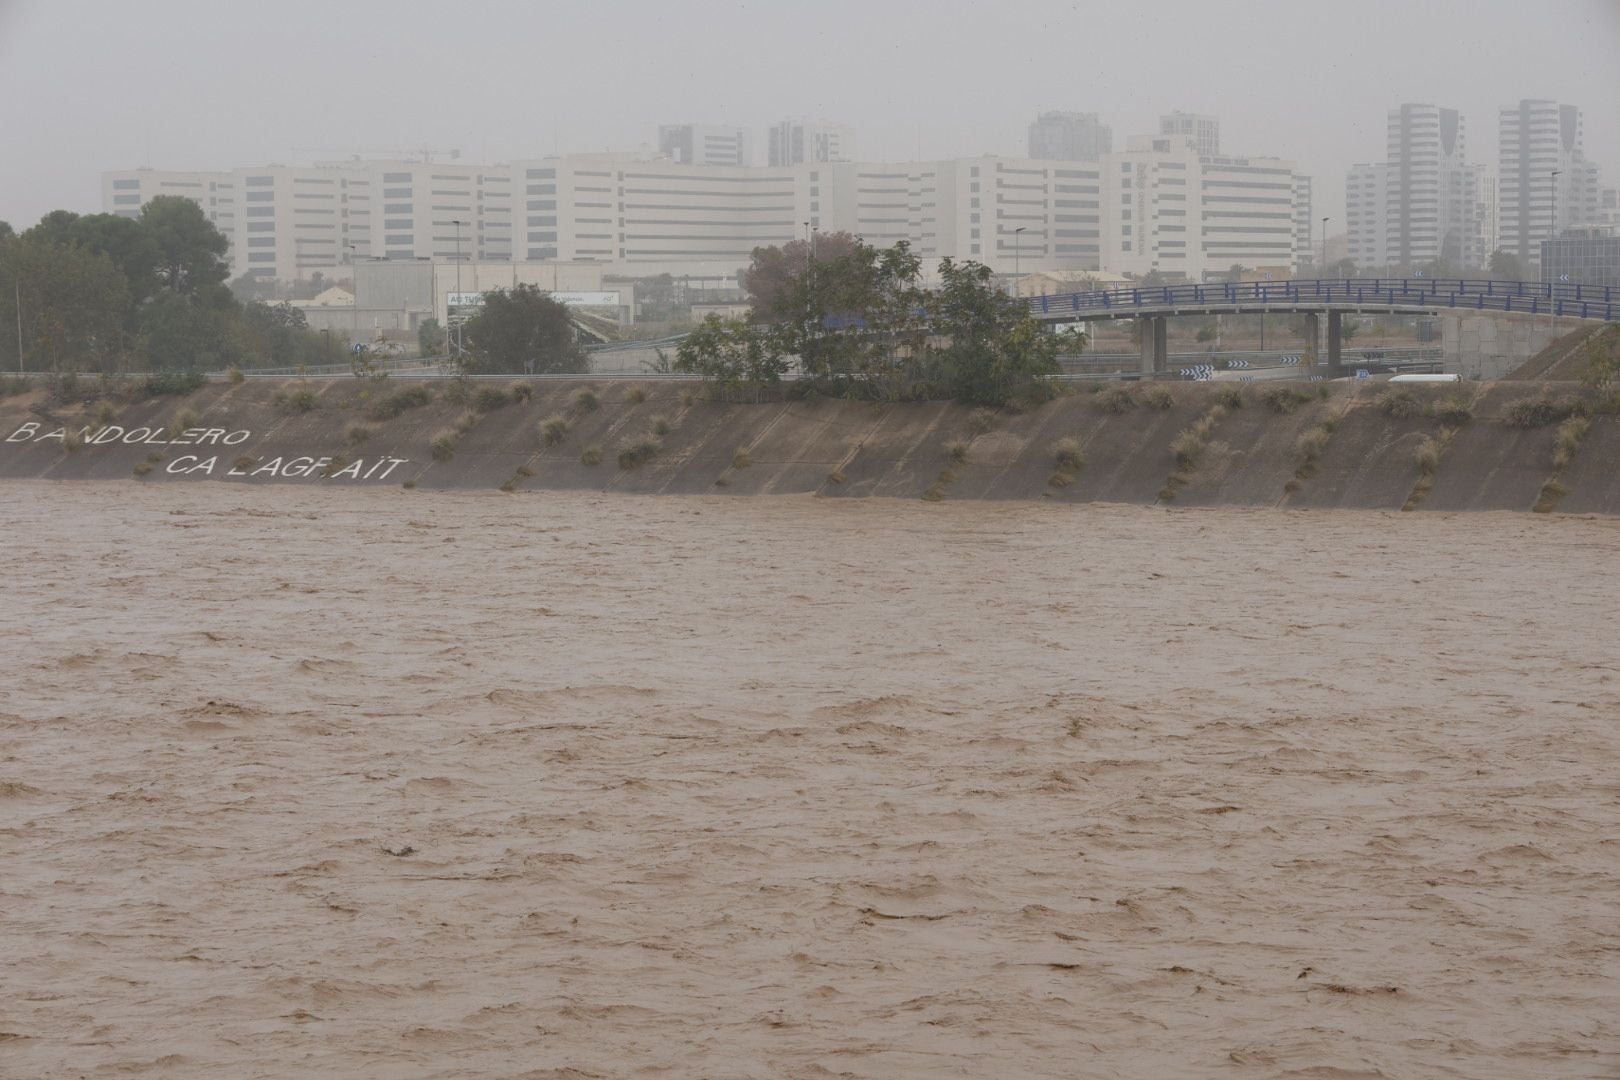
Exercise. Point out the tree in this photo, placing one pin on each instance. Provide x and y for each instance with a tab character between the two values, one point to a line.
73	307
523	330
998	352
191	252
1505	266
281	334
734	354
773	270
430	338
179	332
6	231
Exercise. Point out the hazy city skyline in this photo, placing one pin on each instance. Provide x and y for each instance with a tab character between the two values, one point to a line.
181	84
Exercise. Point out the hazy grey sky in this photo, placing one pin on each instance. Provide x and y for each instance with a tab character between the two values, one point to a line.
87	85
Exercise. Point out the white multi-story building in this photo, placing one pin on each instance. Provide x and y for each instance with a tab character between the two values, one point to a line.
1423	203
440	210
1204	131
1366	196
126	191
1069	136
798	142
705	144
1544	181
295	220
1173	211
1305	250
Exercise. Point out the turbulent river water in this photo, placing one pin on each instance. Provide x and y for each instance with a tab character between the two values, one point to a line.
300	783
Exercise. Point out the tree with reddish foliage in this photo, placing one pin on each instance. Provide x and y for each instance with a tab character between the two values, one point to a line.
773	271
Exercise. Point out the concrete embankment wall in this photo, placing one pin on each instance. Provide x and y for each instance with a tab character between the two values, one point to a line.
1250	455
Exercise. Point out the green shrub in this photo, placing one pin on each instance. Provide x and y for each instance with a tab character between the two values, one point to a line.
181	422
523	392
1570	434
1427	457
592	455
741	460
1283	399
1538	412
1453	411
660	425
1310	445
637	395
1229	397
584	400
443	445
1159	397
933	494
957	449
1186	447
554	429
400	402
356	433
235	377
490	398
638	451
297	400
980	421
1116	400
1067	456
1401	404
466	422
168	381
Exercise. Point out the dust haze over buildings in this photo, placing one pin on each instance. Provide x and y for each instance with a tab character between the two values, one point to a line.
177	86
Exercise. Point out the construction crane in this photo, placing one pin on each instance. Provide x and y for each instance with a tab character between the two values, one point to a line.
427	154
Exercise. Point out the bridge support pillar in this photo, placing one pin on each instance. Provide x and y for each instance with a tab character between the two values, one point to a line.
1335	339
1313	330
1155	348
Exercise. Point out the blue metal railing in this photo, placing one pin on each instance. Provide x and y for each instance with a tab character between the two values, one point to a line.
1529	297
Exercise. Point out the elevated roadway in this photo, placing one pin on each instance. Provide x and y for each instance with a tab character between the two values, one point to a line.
1316	298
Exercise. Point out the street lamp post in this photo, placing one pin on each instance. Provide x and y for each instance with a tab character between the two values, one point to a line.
18	287
1324	246
354	305
1018	248
460	345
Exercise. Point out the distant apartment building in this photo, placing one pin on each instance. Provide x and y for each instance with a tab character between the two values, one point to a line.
440	210
296	220
1608	207
705	144
1366	198
1069	136
1204	131
1174	211
1423	203
1544	181
622	208
798	142
1305	249
126	191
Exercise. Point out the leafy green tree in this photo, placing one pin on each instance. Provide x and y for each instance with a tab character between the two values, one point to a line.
179	332
6	231
523	330
280	335
997	352
1505	266
734	354
73	303
773	274
190	251
430	338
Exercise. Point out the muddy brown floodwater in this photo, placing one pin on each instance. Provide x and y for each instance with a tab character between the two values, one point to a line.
317	783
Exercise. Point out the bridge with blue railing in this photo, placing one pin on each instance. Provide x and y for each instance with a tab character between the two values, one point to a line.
1317	297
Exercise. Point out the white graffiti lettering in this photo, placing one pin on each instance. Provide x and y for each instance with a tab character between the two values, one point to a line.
24	433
